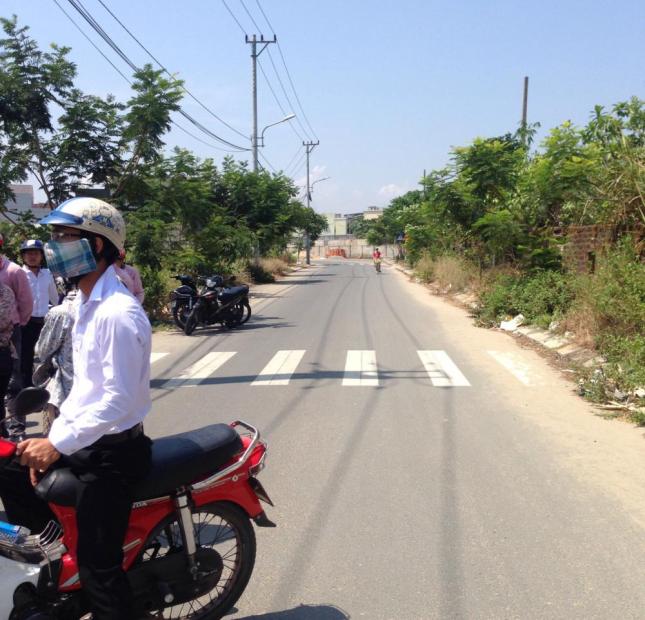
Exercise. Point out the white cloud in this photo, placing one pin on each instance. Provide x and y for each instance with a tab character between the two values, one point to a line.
391	190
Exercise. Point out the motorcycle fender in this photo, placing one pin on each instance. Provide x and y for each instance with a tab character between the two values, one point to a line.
239	492
12	574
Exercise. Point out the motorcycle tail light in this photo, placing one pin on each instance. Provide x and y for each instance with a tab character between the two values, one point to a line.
254	470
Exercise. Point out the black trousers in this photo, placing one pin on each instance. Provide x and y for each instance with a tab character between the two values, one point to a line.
30	334
6	368
106	475
15	425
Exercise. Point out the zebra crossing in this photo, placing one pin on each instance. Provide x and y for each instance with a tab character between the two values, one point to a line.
361	369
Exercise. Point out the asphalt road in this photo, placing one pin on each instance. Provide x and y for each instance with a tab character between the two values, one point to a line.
466	481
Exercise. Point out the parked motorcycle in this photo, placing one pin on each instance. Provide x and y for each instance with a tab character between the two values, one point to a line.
182	299
190	546
216	303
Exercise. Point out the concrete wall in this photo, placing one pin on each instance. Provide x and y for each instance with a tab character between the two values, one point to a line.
354	248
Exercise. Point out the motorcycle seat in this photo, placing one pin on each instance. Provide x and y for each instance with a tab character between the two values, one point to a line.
177	460
234	291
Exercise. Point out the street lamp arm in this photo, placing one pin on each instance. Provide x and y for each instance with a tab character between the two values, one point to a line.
286	118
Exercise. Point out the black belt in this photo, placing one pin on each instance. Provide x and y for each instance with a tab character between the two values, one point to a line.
110	440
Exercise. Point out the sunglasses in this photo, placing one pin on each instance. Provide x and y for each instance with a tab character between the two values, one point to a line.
61	236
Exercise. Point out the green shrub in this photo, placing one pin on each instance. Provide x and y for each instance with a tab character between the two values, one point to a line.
497	300
540	297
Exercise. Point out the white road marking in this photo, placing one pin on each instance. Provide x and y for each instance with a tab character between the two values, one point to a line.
155	357
279	370
518	367
200	370
442	371
360	368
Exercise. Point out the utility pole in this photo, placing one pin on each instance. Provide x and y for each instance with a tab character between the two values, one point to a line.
309	146
525	102
253	41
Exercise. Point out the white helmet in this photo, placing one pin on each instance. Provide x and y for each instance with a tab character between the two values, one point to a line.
92	215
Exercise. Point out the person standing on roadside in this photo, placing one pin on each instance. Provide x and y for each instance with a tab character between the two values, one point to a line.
55	368
129	275
16	279
99	433
7	351
44	293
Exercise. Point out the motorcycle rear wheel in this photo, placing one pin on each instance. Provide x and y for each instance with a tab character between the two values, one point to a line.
220	526
179	314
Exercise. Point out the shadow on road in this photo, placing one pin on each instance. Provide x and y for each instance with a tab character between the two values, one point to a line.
304	612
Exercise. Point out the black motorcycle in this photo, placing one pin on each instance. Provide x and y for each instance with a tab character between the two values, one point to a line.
182	299
216	303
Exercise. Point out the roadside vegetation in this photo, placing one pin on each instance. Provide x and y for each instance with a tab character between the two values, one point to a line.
494	222
184	214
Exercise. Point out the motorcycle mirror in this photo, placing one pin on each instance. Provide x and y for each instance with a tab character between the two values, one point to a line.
29	400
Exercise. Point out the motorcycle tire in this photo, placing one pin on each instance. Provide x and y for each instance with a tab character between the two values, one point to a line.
191	323
179	314
228	525
247	309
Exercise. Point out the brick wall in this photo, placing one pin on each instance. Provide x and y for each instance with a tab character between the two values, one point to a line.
584	244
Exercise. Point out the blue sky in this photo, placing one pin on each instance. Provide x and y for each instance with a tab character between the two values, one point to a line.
388	87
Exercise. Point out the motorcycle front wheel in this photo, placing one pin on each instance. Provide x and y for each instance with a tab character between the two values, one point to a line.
224	528
191	323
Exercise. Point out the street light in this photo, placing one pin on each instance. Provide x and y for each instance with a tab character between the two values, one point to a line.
255	141
318	181
284	120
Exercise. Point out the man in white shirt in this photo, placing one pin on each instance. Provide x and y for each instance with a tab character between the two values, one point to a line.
45	293
99	432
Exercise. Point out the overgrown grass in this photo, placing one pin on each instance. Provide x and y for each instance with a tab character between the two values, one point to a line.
453	273
424	268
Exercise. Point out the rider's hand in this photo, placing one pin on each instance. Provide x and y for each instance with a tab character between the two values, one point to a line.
37	454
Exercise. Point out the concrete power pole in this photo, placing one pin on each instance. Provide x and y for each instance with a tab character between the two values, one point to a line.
309	146
525	102
253	41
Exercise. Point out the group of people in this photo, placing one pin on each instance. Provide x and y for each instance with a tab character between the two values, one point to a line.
36	318
91	346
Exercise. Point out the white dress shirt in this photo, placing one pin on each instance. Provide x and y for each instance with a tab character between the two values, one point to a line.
111	342
43	290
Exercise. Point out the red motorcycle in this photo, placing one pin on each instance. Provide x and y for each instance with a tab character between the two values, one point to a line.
190	546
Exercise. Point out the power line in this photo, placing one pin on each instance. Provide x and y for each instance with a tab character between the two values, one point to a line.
284	62
233	16
293	158
99	30
268	162
96	47
277	100
143	47
251	16
285	93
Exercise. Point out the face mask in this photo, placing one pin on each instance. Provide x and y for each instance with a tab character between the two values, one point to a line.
69	260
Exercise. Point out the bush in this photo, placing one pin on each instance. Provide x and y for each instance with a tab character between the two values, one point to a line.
157	286
424	268
274	265
496	300
540	297
259	274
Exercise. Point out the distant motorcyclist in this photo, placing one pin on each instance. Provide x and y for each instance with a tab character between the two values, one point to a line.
376	258
98	433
